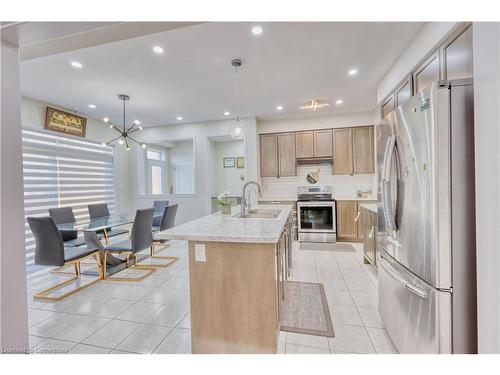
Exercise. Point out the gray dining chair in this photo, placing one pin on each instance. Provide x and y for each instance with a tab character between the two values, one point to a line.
159	207
167	221
64	215
101	210
50	251
141	238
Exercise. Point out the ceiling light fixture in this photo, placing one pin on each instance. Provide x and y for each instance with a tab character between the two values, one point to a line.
125	132
158	50
227	113
339	101
76	64
179	118
257	30
92	106
352	72
237	129
314	105
279	108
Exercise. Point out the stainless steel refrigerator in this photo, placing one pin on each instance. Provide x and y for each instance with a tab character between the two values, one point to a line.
426	234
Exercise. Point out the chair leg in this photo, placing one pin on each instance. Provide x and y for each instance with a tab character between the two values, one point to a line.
105	264
149	270
172	260
44	295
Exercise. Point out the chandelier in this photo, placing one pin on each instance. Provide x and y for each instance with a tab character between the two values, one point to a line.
237	128
123	130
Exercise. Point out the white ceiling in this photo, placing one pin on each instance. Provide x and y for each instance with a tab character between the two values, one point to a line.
288	64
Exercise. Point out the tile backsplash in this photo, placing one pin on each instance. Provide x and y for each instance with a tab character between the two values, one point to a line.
344	187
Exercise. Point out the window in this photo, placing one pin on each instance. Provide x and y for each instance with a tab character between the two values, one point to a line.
184	178
156	172
60	171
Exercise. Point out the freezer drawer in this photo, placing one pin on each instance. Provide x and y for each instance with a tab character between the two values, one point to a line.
416	315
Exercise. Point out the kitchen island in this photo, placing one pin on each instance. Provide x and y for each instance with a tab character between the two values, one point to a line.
237	266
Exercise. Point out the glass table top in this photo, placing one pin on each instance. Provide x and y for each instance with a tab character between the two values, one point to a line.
100	223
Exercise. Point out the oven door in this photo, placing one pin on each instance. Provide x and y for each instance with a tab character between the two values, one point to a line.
316	217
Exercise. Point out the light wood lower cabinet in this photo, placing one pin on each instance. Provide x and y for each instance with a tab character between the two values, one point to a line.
350	221
347	228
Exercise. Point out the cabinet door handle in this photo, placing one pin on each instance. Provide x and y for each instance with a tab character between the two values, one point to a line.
371	232
357	217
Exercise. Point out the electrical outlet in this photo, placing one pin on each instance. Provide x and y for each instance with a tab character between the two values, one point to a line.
199	253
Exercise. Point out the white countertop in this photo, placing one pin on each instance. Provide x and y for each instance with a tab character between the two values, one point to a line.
370	206
226	228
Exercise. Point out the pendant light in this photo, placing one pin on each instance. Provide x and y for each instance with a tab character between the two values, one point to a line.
124	131
237	128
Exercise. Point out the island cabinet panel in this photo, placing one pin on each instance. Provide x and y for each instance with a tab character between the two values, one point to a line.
363	150
342	151
268	155
305	144
370	236
323	143
347	227
234	302
287	163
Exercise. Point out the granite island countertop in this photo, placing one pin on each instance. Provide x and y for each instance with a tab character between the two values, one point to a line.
227	228
370	207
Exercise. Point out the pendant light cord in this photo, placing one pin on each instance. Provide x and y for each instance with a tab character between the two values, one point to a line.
237	93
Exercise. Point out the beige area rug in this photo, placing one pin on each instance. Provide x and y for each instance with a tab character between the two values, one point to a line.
306	309
326	246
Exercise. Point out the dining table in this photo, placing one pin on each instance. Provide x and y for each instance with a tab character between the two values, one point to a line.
91	229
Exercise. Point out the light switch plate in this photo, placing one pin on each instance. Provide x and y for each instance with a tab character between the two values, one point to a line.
199	253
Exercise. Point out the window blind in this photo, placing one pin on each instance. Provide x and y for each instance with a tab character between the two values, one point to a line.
61	171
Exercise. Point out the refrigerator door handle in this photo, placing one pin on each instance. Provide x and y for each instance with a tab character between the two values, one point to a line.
416	290
392	272
386	187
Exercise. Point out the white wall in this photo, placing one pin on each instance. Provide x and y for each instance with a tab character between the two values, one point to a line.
13	299
33	116
227	179
344	187
487	139
428	38
192	206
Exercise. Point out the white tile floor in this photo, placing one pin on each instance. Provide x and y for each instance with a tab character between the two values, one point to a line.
152	316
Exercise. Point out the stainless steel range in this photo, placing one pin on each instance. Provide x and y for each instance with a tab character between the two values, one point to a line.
316	214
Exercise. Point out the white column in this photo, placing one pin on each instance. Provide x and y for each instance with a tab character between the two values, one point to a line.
13	306
487	145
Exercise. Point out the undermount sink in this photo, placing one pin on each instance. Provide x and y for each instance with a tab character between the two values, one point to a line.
259	214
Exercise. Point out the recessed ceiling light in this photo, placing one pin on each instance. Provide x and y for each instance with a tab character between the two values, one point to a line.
257	30
137	122
157	49
227	113
340	101
92	106
76	64
352	72
105	119
279	107
179	118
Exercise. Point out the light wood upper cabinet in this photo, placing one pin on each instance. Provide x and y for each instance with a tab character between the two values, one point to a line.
268	155
458	56
427	73
305	144
347	227
342	151
363	150
323	143
287	162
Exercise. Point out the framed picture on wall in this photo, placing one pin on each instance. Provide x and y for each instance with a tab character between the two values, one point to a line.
229	162
240	162
65	122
